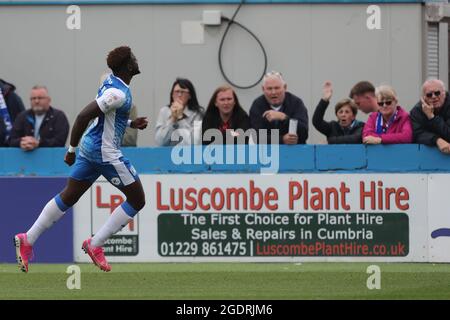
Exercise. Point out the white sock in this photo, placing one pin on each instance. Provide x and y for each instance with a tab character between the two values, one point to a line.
49	215
116	221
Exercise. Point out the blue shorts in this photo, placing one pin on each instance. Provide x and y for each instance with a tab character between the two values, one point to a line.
119	172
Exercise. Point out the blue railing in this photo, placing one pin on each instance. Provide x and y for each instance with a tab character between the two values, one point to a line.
406	158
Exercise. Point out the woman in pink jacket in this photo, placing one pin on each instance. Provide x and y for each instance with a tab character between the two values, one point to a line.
391	124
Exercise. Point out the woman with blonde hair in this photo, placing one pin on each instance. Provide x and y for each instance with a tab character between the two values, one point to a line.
391	124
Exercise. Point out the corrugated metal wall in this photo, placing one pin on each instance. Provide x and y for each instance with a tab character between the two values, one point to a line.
432	50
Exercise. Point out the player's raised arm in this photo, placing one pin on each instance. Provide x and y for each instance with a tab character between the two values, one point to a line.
91	111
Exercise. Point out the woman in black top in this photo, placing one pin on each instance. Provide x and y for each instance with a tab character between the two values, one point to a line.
226	116
347	130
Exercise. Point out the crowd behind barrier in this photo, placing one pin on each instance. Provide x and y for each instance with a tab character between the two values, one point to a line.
277	111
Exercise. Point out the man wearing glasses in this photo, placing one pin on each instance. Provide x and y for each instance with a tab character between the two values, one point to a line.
41	125
430	116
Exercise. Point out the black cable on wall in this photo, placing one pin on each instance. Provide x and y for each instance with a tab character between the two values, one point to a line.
230	23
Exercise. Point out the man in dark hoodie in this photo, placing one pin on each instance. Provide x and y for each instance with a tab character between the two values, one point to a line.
10	107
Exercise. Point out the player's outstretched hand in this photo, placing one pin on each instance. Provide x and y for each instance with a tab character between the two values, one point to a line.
69	158
139	123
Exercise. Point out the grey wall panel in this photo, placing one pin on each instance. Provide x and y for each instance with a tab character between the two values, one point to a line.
38	49
307	43
406	55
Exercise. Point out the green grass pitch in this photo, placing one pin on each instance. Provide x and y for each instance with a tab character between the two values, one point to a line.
268	281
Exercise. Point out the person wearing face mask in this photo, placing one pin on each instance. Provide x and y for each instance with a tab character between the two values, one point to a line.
175	122
431	116
41	125
347	130
391	124
224	113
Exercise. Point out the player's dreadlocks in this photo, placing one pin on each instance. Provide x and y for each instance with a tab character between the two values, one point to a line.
118	58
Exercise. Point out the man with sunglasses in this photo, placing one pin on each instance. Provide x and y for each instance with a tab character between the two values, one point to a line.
431	116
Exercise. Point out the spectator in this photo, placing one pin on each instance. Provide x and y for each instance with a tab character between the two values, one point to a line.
363	93
182	111
274	109
347	130
391	124
10	107
41	125
431	116
225	113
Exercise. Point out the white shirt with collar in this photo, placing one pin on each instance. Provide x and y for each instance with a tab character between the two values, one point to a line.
276	108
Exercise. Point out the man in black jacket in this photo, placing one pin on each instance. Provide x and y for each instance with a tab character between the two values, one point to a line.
430	117
10	107
274	109
41	125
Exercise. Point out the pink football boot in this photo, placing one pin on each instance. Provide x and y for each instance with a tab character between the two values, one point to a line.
96	254
24	251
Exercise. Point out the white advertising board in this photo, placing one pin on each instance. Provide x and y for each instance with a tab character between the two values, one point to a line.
439	217
251	217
